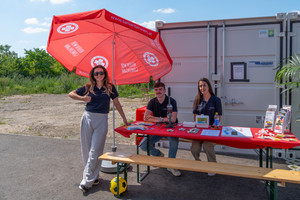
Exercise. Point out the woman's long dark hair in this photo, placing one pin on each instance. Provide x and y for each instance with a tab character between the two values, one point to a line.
92	83
200	95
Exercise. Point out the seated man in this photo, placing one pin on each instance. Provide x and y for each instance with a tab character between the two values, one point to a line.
158	106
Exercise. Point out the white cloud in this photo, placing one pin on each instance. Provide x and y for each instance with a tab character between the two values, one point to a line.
165	10
59	1
48	18
31	30
31	21
150	24
43	47
24	41
45	24
36	22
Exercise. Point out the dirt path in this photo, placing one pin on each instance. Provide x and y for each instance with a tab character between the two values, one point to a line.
55	116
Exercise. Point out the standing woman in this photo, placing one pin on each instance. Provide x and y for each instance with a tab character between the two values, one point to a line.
94	126
206	103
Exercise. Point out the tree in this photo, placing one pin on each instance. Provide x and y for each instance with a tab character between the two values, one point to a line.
7	60
39	60
288	74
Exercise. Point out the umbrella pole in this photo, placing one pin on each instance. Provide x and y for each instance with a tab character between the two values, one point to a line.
113	148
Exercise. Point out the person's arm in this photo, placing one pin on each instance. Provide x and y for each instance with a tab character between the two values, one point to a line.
149	118
174	117
75	96
195	117
120	110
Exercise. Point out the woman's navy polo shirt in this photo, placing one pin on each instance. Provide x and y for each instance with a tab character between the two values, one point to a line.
161	109
100	102
209	108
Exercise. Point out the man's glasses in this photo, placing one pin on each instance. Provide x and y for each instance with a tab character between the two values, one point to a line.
98	73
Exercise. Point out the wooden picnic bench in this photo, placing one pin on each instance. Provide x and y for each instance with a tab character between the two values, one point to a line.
274	175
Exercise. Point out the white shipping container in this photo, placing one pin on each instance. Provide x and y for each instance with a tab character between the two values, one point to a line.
238	56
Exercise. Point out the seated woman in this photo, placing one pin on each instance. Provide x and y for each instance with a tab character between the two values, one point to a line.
206	103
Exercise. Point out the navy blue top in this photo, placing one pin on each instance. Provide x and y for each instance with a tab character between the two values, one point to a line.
209	108
161	109
100	102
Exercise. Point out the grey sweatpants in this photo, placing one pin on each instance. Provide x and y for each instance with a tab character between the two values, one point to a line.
93	130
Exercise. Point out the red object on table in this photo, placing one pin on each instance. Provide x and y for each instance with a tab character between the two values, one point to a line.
140	112
237	142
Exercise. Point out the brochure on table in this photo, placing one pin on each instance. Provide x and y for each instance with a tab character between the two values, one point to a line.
230	131
278	122
208	132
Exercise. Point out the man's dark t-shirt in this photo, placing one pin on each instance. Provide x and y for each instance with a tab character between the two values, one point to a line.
161	109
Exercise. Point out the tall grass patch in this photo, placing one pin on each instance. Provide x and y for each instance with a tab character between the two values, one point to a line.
65	83
41	84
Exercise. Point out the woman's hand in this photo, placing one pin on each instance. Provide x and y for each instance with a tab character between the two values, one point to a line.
87	98
125	122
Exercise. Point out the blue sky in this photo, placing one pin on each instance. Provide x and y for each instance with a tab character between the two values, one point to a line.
25	24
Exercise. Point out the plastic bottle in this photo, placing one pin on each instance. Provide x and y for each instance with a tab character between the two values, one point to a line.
216	121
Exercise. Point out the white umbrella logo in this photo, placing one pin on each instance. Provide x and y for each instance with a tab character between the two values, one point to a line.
151	59
99	60
67	28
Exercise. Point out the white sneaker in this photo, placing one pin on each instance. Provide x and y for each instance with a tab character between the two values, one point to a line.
211	174
175	172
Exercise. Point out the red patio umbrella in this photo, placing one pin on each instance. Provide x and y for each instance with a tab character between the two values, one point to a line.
131	53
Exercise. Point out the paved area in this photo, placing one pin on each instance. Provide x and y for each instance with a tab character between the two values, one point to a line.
33	167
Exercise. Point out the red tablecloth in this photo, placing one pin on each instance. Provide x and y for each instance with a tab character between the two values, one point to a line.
237	142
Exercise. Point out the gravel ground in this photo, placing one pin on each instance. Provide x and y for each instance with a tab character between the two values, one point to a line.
52	115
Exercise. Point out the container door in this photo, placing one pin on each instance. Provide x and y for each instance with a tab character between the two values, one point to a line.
251	54
188	49
294	98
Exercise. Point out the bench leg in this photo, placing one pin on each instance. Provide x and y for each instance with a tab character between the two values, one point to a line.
272	190
271	157
260	158
267	163
137	166
118	174
271	185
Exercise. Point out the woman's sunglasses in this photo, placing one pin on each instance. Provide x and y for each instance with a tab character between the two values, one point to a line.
98	73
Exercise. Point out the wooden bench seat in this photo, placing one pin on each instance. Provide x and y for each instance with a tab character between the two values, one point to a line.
209	167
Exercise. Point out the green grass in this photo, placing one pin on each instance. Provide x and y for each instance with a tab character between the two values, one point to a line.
58	85
2	122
